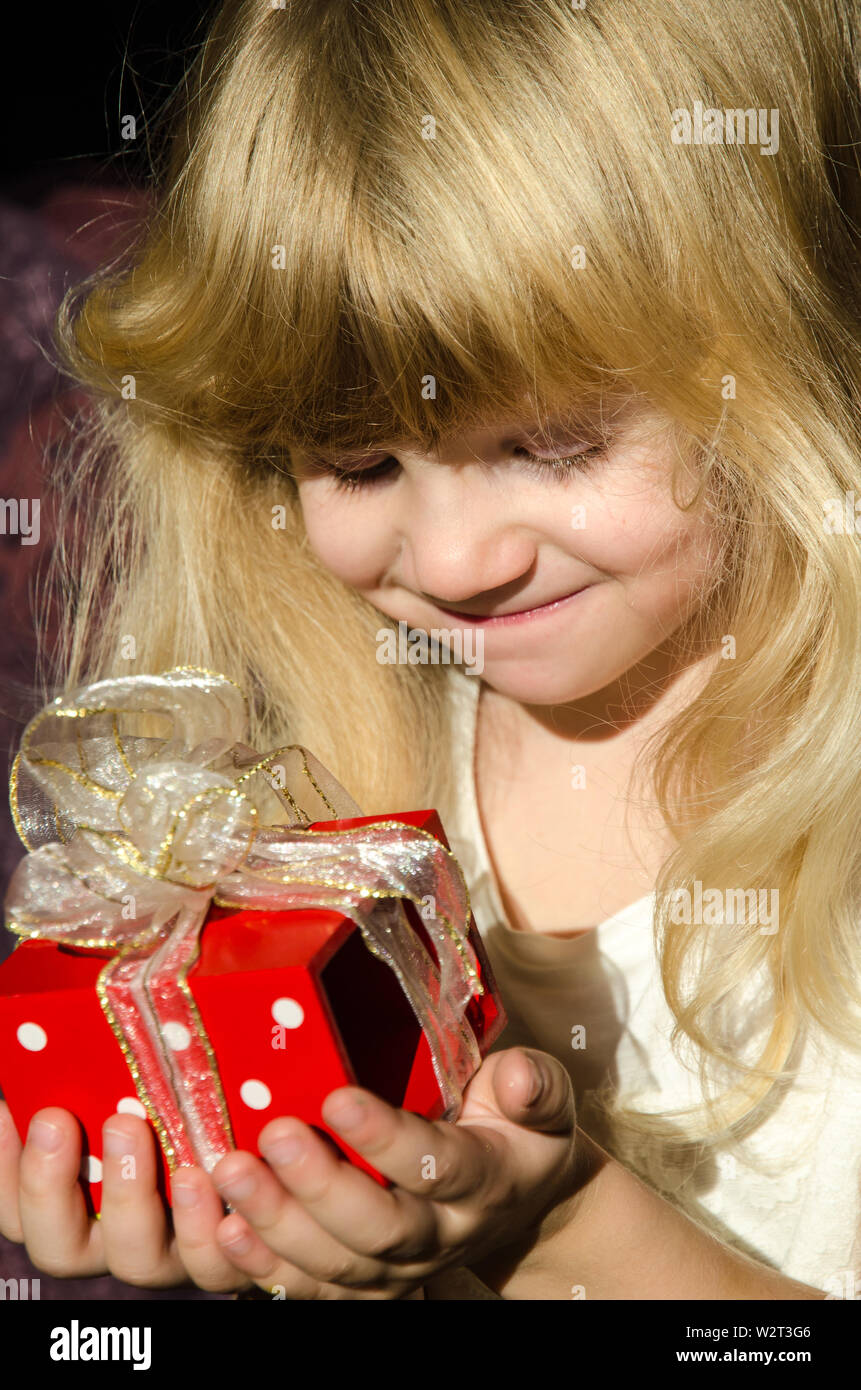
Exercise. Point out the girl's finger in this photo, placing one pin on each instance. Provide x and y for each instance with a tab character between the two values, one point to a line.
381	1223
261	1265
197	1215
428	1162
60	1237
283	1228
137	1242
444	1162
267	1270
10	1162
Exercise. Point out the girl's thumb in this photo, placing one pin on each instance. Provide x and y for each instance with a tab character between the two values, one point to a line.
534	1089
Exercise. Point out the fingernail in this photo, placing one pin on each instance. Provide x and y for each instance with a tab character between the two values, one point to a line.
347	1114
44	1136
117	1144
239	1246
236	1189
184	1193
537	1083
285	1150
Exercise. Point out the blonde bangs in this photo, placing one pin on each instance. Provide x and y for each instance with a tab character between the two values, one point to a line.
367	235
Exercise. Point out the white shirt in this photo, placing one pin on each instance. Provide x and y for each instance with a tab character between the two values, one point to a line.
789	1194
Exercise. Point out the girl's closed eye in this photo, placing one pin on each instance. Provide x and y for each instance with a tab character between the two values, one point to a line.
350	479
560	466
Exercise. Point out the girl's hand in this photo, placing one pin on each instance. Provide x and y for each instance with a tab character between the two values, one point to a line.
42	1205
325	1229
312	1226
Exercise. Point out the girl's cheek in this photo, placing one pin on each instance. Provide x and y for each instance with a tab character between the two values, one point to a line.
635	530
345	540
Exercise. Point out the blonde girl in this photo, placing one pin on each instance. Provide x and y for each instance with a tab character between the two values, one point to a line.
537	322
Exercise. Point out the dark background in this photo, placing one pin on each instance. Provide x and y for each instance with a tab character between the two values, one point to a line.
74	70
71	196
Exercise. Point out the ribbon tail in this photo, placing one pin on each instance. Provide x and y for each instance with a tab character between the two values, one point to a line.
206	1134
122	994
454	1051
154	1018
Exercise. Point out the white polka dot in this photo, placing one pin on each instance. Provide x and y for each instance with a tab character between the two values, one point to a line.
177	1036
255	1095
130	1105
31	1036
288	1012
91	1167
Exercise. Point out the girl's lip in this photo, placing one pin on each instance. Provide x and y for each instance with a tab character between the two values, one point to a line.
524	615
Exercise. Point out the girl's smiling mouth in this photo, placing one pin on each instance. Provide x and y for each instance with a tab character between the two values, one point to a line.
519	616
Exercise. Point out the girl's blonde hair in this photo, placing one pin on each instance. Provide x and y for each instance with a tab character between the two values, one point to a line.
392	219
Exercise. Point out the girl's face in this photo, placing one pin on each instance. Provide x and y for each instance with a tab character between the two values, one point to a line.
570	556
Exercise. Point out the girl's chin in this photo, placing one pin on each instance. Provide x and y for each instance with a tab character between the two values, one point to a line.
527	687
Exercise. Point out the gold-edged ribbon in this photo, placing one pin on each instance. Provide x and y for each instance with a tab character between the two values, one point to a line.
133	833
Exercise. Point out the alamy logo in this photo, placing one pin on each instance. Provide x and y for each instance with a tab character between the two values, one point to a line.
76	1343
711	126
20	1289
412	646
842	515
715	907
19	516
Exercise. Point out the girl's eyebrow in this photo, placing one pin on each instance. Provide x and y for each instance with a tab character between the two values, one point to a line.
335	458
554	427
564	429
567	428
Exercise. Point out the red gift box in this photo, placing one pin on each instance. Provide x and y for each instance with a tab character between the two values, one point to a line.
316	1010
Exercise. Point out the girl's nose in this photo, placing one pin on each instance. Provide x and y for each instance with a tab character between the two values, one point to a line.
461	539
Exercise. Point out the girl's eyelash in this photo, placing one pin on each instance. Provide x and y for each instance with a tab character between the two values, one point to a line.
559	467
361	477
